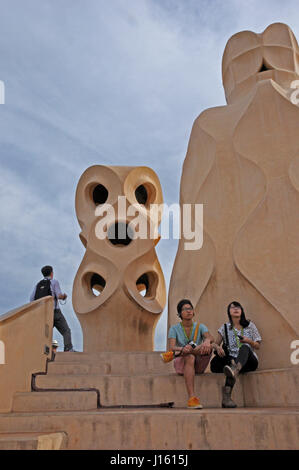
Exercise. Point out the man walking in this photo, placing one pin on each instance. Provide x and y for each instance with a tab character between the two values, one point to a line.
50	286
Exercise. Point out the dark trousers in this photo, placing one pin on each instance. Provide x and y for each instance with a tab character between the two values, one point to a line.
61	325
245	357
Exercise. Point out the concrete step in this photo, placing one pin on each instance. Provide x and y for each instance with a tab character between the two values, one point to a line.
266	388
117	390
176	429
275	387
127	363
50	401
33	441
65	368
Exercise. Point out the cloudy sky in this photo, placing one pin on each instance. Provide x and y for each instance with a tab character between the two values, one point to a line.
89	82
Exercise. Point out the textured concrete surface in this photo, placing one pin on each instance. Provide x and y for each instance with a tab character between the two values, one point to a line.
270	420
49	401
166	429
33	441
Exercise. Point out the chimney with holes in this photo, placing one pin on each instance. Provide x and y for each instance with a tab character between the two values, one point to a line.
119	290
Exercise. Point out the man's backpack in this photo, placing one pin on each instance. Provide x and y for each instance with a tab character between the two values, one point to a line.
43	288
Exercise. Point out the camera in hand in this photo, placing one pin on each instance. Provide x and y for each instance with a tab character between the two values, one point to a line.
240	337
192	344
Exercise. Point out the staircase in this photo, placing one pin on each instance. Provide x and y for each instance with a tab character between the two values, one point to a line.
111	401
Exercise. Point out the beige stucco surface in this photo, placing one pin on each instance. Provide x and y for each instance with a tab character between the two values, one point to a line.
25	332
242	164
266	417
119	318
33	441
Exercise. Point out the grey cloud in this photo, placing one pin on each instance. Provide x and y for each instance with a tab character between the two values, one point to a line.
99	82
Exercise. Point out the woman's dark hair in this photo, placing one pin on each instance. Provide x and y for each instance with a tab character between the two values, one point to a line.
46	271
180	306
243	321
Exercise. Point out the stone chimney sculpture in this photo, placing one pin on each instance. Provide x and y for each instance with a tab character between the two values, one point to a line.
242	164
119	290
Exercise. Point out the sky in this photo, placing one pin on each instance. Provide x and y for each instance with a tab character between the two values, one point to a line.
95	82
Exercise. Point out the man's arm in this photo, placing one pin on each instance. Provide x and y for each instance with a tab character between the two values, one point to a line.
172	345
184	350
209	339
206	346
57	291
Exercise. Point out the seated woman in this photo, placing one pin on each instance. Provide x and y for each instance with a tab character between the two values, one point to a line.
240	337
190	346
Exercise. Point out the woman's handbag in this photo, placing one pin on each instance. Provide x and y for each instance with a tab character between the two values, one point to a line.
218	362
225	345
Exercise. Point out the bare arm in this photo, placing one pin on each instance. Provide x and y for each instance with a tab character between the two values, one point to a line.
217	345
218	341
172	345
255	339
208	337
184	350
253	344
206	346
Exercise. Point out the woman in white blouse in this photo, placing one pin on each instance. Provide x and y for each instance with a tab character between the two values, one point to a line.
239	338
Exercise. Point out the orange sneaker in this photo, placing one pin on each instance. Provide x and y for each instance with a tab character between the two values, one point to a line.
167	356
194	403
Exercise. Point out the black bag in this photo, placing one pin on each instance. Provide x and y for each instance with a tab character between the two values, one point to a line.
219	362
225	345
43	288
